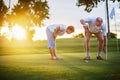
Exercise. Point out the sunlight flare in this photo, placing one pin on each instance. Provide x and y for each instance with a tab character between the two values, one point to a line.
18	32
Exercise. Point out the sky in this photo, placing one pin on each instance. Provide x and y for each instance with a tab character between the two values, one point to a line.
66	12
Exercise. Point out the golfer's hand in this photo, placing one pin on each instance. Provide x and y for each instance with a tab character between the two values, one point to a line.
85	28
56	32
84	24
54	36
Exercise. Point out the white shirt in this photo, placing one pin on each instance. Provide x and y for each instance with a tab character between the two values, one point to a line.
93	28
62	28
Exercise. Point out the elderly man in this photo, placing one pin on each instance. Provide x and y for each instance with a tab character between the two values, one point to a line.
94	26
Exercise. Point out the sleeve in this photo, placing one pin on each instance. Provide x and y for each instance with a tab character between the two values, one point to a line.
104	30
62	27
87	20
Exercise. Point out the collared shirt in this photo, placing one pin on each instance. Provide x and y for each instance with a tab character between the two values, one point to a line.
93	28
62	28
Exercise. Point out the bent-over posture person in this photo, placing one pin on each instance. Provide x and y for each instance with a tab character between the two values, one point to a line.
52	32
94	26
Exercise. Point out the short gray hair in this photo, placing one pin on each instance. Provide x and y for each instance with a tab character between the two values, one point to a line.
99	19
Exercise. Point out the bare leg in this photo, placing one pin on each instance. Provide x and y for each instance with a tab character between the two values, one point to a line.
100	45
101	42
51	52
54	52
86	44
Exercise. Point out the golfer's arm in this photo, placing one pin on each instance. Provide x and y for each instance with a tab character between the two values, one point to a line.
56	31
82	22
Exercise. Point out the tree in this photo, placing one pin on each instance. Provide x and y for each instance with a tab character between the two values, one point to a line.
28	13
80	35
90	4
113	35
3	11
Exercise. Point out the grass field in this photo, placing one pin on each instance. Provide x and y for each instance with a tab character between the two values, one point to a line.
31	61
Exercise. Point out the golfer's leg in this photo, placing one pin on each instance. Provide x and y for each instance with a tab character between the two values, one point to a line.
86	43
101	42
54	52
51	52
51	42
52	48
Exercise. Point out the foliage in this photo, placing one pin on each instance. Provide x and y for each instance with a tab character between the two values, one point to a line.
80	35
3	11
90	4
29	13
112	35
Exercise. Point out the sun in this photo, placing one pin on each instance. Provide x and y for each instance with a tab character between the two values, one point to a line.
18	32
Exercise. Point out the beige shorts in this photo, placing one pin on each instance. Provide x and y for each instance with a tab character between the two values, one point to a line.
99	35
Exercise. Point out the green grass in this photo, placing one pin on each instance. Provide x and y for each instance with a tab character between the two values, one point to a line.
31	61
63	46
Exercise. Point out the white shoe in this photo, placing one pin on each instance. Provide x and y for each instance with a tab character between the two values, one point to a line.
87	58
53	58
58	57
